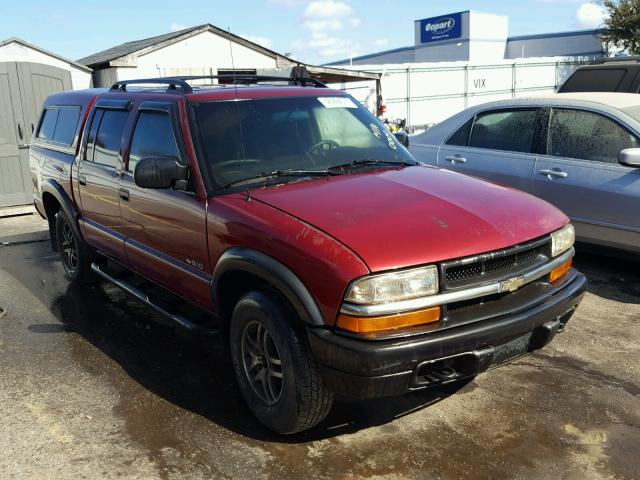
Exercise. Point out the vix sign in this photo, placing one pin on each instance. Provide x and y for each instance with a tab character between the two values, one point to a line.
441	28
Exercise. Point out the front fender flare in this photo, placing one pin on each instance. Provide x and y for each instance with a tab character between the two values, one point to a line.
272	271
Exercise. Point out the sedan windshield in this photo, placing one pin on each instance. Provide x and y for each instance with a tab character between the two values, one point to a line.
247	141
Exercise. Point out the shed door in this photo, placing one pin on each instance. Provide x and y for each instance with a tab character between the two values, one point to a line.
23	89
13	174
37	82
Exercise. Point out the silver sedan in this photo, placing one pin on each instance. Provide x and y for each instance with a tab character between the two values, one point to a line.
579	151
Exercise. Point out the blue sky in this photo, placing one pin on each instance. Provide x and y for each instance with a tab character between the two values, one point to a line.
315	31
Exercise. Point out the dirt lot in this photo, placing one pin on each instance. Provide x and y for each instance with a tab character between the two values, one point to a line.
92	386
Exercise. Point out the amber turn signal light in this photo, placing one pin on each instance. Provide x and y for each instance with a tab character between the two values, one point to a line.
561	271
387	322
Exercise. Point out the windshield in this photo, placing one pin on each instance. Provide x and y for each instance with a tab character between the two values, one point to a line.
243	139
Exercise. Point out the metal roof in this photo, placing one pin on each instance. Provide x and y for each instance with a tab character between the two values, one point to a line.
152	43
42	50
409	50
120	55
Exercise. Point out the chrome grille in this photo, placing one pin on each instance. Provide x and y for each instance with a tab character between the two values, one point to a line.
491	266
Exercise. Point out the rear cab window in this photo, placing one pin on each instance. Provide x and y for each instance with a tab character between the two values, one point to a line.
58	126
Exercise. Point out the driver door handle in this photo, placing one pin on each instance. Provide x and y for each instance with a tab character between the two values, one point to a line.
553	173
456	159
124	194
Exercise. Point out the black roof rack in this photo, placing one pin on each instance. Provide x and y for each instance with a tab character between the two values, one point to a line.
245	79
180	83
173	84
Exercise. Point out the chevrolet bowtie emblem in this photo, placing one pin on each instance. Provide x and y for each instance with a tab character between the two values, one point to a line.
512	284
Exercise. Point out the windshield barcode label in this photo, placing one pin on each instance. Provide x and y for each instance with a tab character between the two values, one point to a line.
337	102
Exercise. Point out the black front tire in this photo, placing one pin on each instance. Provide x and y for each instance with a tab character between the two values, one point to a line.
75	254
296	398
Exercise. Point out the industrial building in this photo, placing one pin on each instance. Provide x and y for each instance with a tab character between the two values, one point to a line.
465	58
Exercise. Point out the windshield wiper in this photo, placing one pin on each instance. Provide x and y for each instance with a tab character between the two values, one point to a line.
363	162
283	173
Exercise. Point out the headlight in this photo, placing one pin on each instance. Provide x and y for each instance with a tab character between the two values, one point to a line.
394	287
562	240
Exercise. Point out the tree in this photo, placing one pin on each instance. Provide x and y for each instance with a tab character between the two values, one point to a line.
623	24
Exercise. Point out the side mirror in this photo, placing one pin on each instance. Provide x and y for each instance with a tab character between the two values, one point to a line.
160	172
403	138
630	157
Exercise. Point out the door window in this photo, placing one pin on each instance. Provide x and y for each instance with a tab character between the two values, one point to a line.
587	136
510	130
461	136
153	137
106	149
91	138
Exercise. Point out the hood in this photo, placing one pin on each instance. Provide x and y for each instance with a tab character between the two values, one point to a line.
410	216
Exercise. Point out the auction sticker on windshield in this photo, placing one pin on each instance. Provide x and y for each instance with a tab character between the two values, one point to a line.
337	102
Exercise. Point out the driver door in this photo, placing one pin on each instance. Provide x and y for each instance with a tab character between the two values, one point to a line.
498	145
165	228
581	175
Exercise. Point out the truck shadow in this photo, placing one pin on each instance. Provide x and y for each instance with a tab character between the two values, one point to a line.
192	372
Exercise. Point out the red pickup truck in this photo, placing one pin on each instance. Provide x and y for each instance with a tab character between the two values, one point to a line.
285	219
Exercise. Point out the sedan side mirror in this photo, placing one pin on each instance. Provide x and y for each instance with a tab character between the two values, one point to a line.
630	157
161	172
403	138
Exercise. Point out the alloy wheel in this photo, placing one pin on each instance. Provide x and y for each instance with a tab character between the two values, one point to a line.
262	362
69	248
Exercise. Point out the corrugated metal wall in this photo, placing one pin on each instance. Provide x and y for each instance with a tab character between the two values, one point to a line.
425	94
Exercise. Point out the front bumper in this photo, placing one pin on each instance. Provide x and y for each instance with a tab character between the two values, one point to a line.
370	369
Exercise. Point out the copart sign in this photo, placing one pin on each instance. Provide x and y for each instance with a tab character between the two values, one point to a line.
441	28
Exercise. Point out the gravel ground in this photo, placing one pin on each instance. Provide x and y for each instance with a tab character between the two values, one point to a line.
94	386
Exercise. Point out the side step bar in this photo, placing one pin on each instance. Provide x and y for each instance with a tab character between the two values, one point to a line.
140	295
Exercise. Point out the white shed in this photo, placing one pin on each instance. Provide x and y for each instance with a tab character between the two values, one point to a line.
28	75
200	50
209	50
17	50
